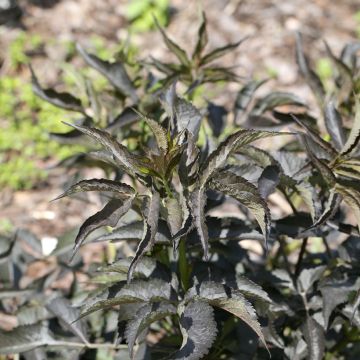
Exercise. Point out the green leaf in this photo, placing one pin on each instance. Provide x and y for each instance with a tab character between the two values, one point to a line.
150	230
108	216
353	139
198	328
221	51
143	318
247	194
25	338
315	339
202	39
99	185
60	99
114	72
173	47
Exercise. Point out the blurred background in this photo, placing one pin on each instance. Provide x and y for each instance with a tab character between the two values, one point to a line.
44	33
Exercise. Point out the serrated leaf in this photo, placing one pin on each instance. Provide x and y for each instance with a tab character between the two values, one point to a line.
247	194
310	76
315	339
198	328
25	338
308	277
274	99
233	142
202	39
159	132
197	201
114	72
251	290
174	215
143	318
150	230
135	231
332	205
108	216
173	47
120	153
62	308
99	185
334	125
138	291
60	99
219	52
353	139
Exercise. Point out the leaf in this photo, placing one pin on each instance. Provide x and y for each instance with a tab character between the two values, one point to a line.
173	47
268	180
202	39
197	201
308	277
108	216
233	142
198	329
216	118
245	96
187	117
221	51
251	289
150	230
273	100
159	132
174	215
345	76
62	308
114	72
134	231
120	153
25	338
247	194
348	54
352	199
99	185
315	339
334	125
331	207
127	117
354	137
310	76
356	305
138	291
60	99
143	318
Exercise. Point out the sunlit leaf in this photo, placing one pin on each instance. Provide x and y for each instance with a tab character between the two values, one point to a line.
315	339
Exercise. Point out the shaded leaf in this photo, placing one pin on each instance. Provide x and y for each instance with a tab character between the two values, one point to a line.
60	99
334	125
150	230
198	329
315	339
108	216
187	117
143	318
114	72
268	180
25	338
62	308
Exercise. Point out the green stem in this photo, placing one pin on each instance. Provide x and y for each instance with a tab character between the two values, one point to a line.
167	189
183	265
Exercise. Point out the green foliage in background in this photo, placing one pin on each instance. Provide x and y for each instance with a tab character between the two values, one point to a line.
141	14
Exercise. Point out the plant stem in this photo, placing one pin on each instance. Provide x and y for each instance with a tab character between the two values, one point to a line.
183	265
300	258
